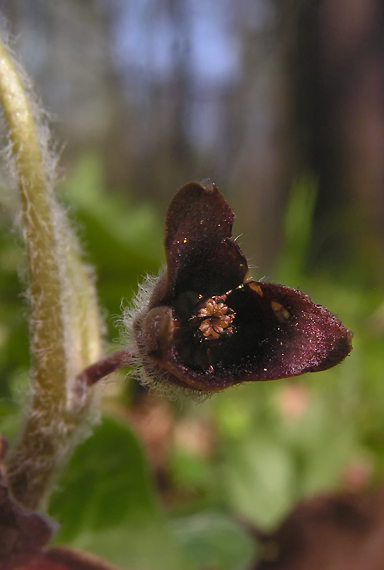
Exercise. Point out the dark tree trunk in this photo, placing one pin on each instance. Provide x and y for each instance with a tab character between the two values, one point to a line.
338	70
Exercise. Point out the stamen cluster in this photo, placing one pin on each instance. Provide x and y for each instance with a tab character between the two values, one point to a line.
217	318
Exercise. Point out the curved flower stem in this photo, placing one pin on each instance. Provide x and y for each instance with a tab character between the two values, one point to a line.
110	363
64	320
36	196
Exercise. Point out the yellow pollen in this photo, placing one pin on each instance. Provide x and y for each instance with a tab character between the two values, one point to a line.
256	287
281	313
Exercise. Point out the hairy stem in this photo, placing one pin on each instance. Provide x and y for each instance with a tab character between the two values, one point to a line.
36	198
64	321
110	363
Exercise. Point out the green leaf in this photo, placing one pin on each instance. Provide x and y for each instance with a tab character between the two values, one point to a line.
106	504
213	540
258	476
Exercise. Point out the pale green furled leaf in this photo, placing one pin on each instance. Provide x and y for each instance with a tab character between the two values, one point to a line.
65	326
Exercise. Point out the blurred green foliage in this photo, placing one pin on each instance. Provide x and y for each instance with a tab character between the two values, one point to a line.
123	241
270	443
106	505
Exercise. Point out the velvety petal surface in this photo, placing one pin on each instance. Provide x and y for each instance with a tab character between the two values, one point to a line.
207	328
201	253
277	332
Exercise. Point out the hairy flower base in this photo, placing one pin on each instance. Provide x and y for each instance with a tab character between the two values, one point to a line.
203	326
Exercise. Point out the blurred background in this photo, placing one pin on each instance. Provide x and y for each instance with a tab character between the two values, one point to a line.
281	103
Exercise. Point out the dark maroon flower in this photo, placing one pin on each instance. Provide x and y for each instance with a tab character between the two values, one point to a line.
206	327
23	533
